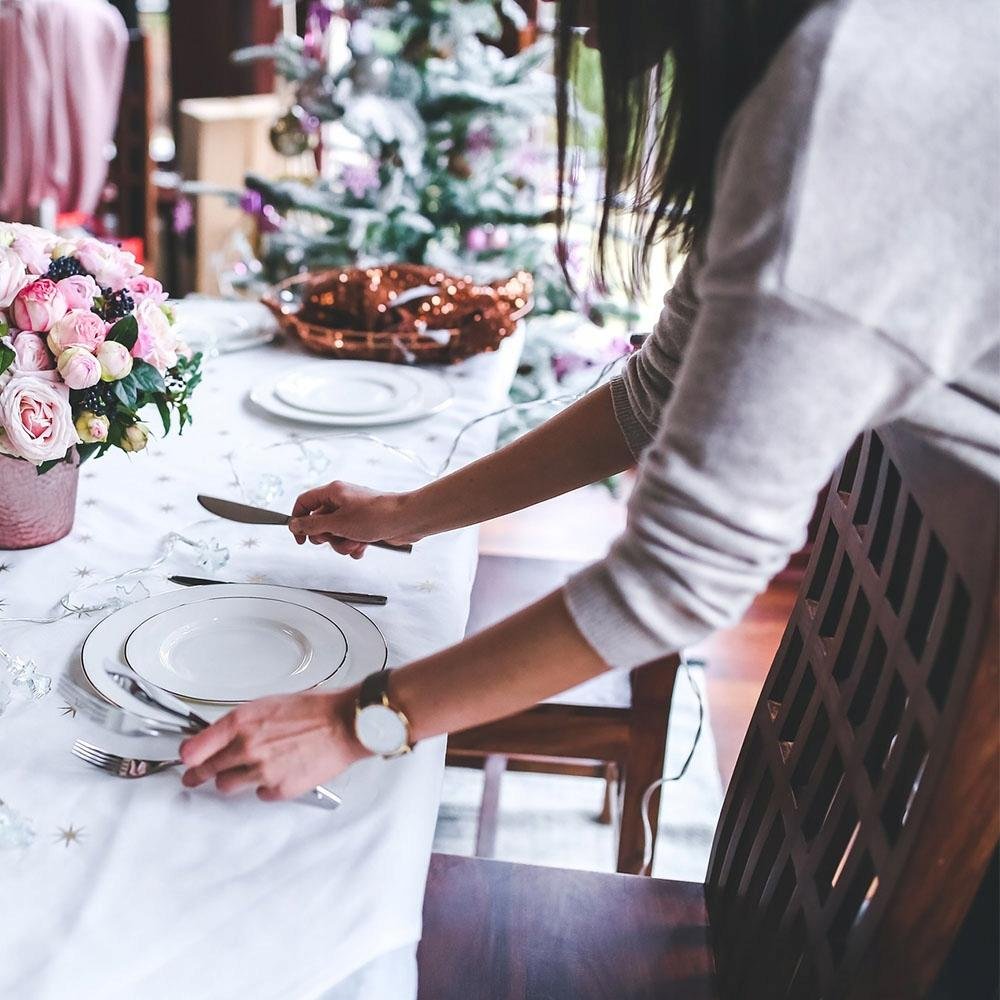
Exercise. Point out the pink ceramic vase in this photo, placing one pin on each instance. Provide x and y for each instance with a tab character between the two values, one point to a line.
36	509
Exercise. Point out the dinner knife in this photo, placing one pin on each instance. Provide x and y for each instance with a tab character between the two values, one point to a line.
246	514
341	595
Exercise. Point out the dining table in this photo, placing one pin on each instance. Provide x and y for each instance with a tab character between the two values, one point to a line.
115	888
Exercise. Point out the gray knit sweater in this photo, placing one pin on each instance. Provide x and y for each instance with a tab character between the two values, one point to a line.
849	279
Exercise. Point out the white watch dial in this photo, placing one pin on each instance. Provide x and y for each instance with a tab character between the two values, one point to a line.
380	730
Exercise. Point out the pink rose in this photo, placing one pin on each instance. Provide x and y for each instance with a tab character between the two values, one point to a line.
13	276
31	356
32	251
156	342
79	291
38	306
78	328
92	428
111	266
37	419
115	360
79	368
143	287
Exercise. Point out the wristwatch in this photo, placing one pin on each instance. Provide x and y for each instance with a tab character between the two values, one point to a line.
379	725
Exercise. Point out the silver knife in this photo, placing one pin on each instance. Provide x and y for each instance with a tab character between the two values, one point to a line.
340	595
245	514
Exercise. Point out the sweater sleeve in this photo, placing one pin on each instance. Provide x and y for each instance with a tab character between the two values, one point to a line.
771	395
640	393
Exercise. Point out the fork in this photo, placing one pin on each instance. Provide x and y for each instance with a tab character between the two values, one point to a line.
115	719
121	767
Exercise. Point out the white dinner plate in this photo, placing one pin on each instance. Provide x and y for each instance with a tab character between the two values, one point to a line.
353	394
344	389
233	649
104	648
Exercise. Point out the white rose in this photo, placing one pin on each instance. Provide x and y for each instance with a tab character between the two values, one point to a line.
13	276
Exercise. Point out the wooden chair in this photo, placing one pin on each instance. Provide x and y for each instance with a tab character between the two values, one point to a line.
614	727
863	810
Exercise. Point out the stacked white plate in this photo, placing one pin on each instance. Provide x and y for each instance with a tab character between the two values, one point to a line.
217	325
353	394
223	644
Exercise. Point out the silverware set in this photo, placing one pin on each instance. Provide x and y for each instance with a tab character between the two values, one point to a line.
124	722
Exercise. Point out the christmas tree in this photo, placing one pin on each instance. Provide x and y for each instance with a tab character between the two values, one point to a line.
433	147
438	155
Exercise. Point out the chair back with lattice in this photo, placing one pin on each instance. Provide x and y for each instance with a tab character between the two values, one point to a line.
864	806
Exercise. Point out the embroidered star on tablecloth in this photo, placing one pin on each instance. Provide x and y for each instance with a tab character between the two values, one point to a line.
68	710
167	508
82	572
86	538
164	479
69	835
256	578
249	543
4	567
424	586
90	502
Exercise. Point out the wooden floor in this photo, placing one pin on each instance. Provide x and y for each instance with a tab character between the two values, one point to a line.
580	526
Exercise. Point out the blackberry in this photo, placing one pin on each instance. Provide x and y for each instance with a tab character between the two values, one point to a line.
117	305
99	399
64	267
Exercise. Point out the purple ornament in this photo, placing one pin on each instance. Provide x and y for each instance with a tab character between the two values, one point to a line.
499	238
360	178
183	216
477	240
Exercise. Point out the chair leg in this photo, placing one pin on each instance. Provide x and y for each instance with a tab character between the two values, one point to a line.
652	689
610	785
489	809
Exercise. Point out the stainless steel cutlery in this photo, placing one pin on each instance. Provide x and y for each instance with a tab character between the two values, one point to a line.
245	514
120	767
348	597
129	723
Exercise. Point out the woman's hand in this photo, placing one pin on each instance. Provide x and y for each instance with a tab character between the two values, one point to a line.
282	746
347	517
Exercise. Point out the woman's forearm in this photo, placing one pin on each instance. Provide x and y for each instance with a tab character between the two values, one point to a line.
581	445
522	660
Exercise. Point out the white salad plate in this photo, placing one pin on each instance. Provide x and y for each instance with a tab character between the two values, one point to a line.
363	646
353	394
375	389
232	649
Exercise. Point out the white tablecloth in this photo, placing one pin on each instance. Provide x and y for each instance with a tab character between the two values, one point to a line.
143	889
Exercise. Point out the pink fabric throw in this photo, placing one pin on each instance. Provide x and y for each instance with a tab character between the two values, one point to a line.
62	63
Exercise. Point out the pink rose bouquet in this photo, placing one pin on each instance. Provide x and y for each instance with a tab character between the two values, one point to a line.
87	342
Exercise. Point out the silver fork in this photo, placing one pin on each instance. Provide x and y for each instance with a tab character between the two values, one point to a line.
121	767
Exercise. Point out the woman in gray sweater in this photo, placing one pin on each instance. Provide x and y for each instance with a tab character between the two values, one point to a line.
831	169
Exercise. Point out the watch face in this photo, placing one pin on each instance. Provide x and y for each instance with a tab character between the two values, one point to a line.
380	730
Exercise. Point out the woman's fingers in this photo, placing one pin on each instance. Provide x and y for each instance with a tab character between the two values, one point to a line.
232	755
321	496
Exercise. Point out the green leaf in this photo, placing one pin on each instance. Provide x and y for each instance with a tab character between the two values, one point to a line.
127	391
125	331
6	357
86	451
45	466
146	376
161	405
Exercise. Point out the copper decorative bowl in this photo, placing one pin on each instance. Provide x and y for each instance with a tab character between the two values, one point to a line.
405	313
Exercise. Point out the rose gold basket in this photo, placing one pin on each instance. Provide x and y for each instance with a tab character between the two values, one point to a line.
404	313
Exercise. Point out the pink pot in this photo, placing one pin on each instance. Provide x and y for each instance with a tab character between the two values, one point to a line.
36	509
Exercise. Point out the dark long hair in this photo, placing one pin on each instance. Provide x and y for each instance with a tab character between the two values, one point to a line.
674	71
